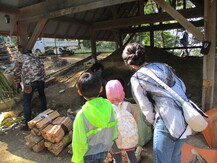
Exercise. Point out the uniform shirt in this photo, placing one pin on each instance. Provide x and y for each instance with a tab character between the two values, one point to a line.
29	68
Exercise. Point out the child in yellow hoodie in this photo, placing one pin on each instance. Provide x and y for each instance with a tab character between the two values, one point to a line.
95	125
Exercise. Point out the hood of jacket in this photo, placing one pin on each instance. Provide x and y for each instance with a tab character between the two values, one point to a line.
98	111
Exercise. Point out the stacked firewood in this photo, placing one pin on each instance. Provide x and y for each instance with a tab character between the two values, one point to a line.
7	53
49	130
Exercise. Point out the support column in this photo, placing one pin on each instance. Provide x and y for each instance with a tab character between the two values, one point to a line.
151	37
93	45
22	34
209	60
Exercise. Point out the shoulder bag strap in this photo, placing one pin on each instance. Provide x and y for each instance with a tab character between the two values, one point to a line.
165	86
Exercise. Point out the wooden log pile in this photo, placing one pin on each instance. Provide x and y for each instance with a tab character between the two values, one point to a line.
7	53
49	130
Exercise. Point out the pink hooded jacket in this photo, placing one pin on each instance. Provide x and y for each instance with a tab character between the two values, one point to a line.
115	91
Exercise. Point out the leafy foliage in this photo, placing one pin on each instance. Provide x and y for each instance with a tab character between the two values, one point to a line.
7	89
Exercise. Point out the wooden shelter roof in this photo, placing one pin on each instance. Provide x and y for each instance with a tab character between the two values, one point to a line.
78	19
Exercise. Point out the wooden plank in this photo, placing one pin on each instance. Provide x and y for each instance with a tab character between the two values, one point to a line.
85	6
209	60
38	29
181	19
146	19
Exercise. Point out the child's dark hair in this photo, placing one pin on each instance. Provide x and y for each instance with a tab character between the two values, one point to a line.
134	54
89	85
96	66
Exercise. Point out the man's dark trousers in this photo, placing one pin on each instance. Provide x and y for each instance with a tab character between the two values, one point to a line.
27	98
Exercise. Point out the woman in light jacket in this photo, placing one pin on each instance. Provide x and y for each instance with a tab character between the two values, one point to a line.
160	108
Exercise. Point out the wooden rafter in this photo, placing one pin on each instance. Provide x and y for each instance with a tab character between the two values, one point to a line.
93	16
43	31
37	31
56	29
72	20
181	19
85	6
151	18
67	30
122	11
79	27
114	11
141	7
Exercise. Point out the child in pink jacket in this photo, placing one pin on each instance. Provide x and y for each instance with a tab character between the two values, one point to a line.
115	93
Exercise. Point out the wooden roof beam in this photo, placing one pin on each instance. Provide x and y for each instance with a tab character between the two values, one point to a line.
146	19
8	10
81	7
181	19
160	27
72	20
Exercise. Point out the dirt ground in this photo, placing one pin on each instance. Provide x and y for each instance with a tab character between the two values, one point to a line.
12	143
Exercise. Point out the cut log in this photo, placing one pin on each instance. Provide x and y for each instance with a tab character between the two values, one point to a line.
56	148
45	121
33	139
37	119
70	149
39	147
55	132
30	145
45	130
47	144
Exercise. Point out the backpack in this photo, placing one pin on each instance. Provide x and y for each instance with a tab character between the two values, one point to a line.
127	127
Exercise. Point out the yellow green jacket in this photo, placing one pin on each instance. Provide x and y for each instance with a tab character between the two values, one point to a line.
94	129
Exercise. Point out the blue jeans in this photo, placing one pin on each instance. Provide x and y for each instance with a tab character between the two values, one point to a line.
165	149
96	158
27	98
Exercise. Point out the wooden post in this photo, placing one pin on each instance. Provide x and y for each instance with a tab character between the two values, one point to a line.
117	38
209	60
93	45
151	37
23	34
